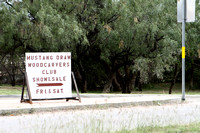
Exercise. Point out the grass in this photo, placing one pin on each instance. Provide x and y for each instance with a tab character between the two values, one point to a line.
191	128
159	88
10	90
163	88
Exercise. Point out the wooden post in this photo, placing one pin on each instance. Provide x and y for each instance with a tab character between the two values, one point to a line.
73	77
28	89
22	96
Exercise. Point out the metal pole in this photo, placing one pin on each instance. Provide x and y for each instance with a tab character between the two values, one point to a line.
183	50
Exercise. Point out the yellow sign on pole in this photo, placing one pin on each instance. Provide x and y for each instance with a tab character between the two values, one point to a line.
183	52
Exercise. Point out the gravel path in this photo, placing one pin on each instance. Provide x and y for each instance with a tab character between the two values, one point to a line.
105	120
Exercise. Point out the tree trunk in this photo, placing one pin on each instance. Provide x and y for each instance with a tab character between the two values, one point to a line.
192	78
120	80
127	82
82	71
127	86
133	80
13	67
108	86
13	80
10	75
78	79
139	83
83	82
174	78
116	84
140	86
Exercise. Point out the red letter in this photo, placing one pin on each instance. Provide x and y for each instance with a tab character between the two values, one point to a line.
28	58
37	91
29	64
41	91
43	71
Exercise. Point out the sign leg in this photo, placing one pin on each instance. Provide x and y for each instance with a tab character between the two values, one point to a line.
22	95
73	77
28	89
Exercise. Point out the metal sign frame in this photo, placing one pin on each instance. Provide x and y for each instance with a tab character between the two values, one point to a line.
189	6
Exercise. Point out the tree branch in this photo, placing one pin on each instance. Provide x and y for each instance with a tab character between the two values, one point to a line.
112	18
157	39
9	4
71	9
3	57
84	6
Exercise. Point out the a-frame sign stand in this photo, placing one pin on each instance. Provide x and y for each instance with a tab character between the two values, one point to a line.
29	100
25	80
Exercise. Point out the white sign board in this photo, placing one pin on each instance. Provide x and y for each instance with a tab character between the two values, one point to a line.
190	10
49	75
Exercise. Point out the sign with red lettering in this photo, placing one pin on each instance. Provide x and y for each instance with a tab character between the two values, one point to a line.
49	75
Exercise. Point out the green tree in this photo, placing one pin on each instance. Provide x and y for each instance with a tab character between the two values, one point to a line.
93	17
192	54
142	43
113	43
192	50
37	26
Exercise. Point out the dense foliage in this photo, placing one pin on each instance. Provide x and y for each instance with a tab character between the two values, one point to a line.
117	45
